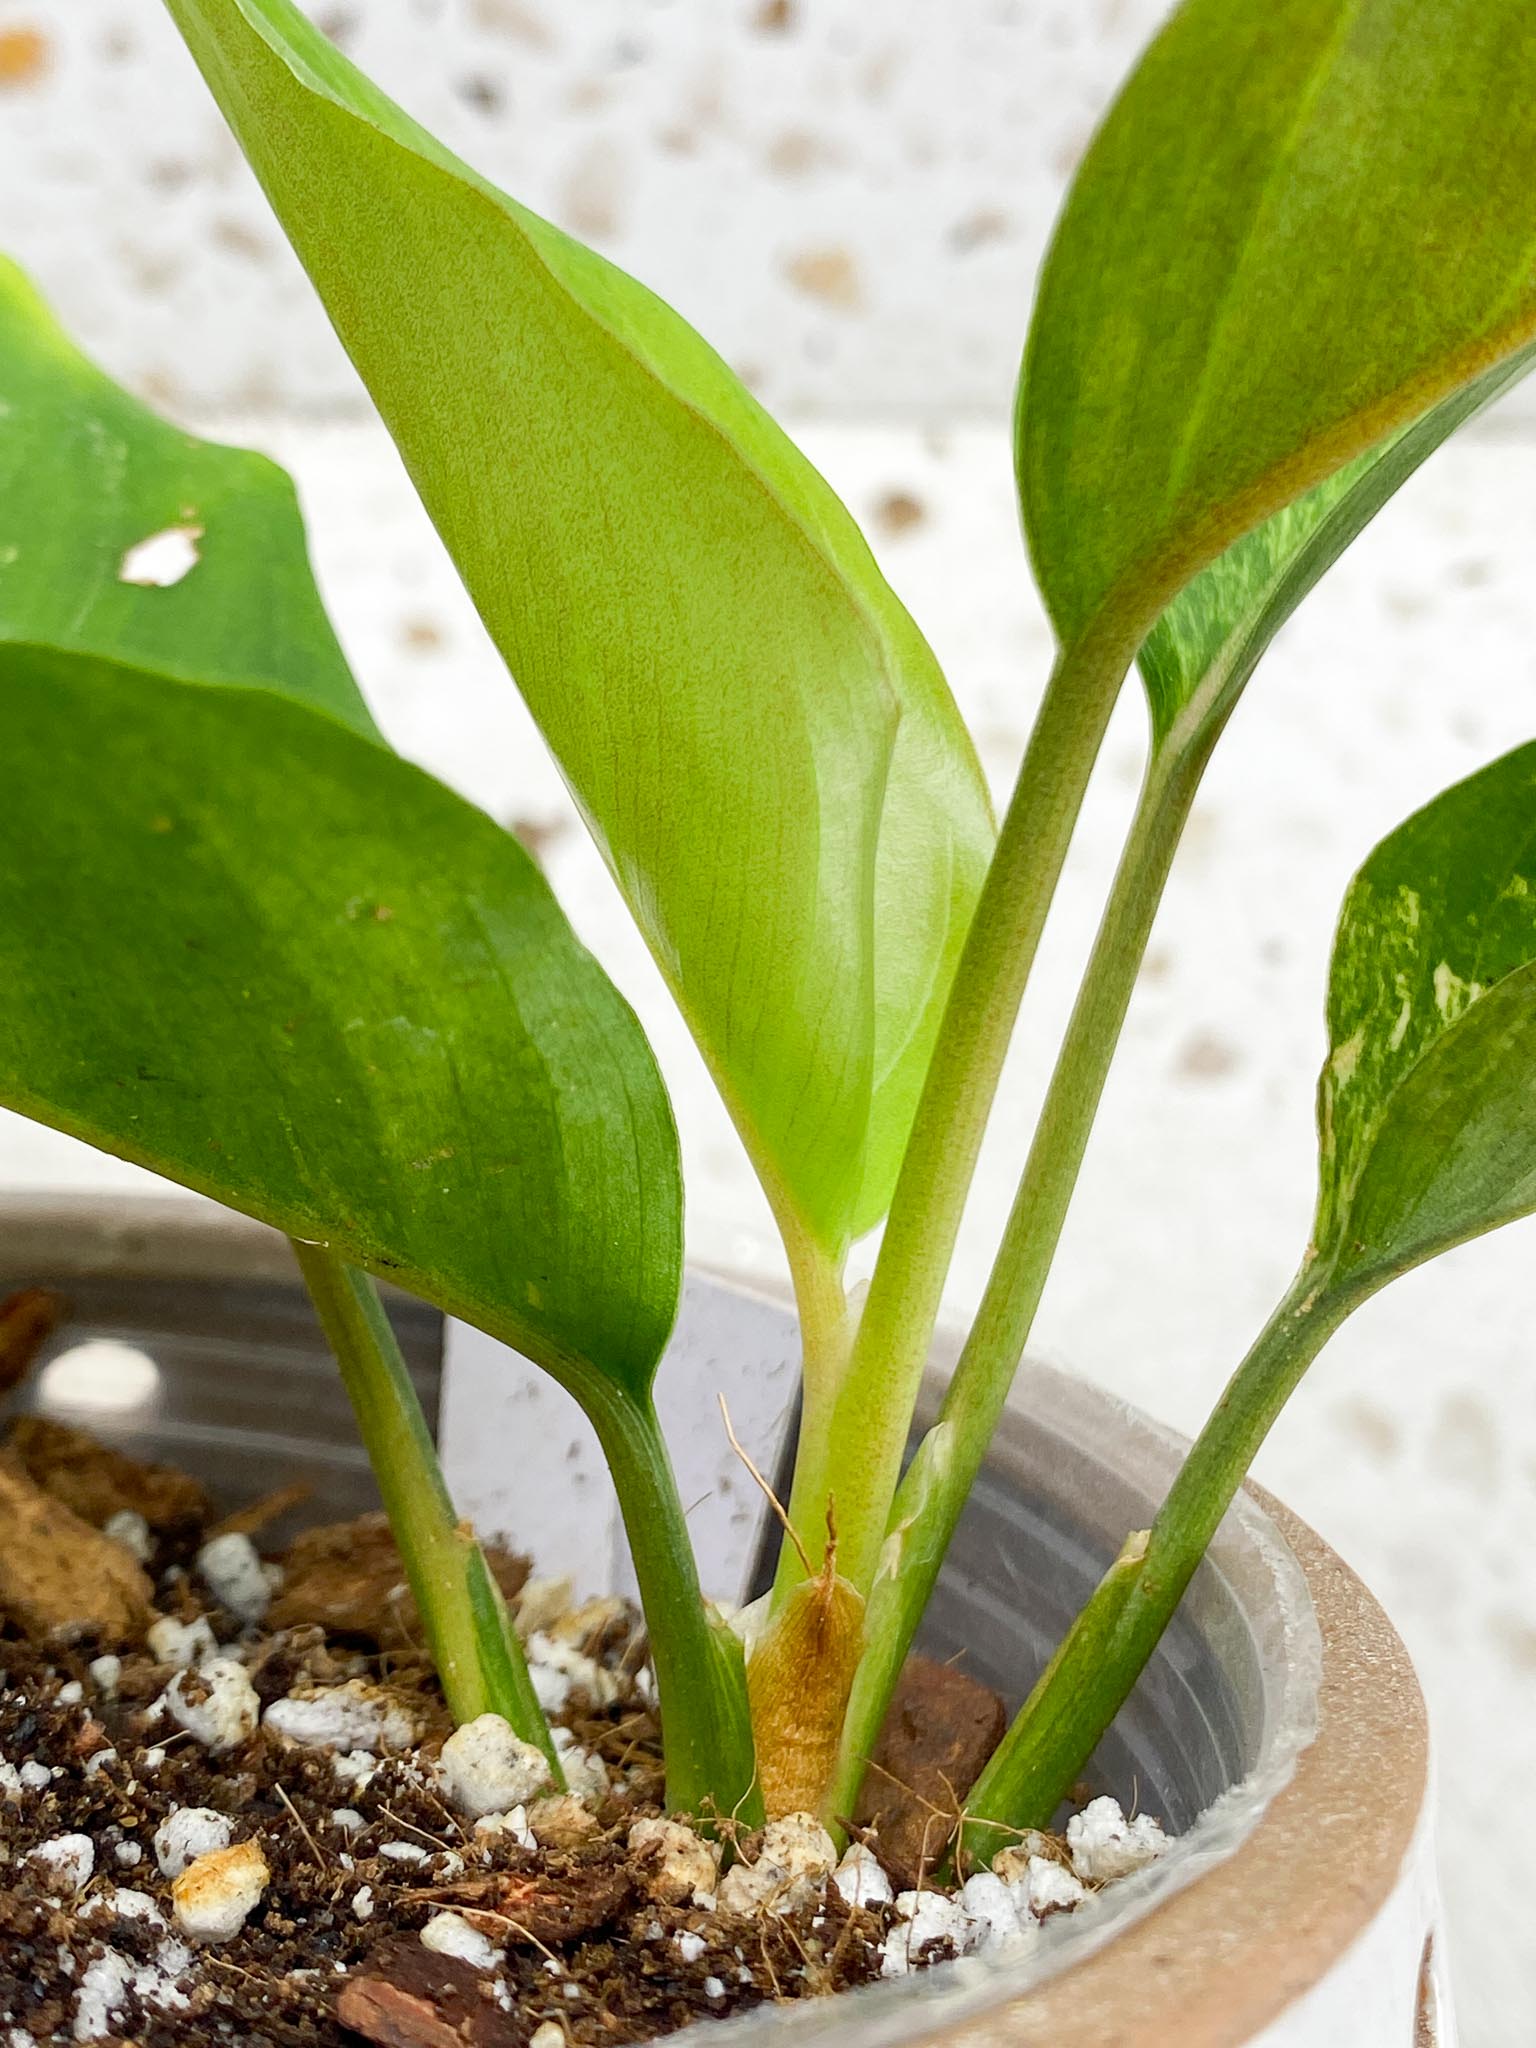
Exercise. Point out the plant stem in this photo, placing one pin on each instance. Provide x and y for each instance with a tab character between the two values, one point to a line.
930	1499
700	1679
868	1438
826	1336
473	1643
1089	1678
979	1389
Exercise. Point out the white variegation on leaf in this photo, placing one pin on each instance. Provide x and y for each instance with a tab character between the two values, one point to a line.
1427	1102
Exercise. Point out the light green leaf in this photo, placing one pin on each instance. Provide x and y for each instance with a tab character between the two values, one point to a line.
1427	1104
1264	269
88	475
1199	656
261	955
758	736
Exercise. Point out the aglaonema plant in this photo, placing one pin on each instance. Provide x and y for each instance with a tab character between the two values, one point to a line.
250	947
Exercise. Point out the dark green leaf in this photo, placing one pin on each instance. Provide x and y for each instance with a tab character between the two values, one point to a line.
1197	660
760	740
87	475
1266	267
1427	1105
258	953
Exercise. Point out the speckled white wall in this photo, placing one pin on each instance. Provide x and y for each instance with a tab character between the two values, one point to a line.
850	199
851	202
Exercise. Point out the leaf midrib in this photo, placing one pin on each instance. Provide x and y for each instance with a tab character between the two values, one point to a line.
1283	156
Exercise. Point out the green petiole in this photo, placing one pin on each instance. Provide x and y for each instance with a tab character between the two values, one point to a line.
700	1679
827	1328
469	1632
866	1442
700	1682
931	1498
1088	1680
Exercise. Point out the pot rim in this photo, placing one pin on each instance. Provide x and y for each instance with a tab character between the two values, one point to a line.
1211	1964
1225	1956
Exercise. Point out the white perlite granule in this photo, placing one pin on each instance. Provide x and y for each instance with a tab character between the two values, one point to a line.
923	1917
1050	1888
216	1704
129	1528
105	1673
348	1718
190	1832
182	1643
795	1861
679	1865
65	1863
1105	1845
513	1824
234	1574
861	1880
449	1934
213	1897
1000	1917
486	1768
108	1978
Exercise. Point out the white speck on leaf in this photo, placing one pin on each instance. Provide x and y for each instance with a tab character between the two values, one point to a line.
1452	994
1346	1057
162	559
1400	1028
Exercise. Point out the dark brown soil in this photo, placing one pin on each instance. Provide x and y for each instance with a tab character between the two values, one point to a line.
27	1319
581	1944
332	1954
97	1483
941	1728
345	1578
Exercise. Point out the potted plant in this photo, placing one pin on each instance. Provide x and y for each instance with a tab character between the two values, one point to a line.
283	967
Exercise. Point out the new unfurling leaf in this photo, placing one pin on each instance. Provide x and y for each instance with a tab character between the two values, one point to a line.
1200	655
756	732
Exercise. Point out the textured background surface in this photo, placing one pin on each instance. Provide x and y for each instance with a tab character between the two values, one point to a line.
892	169
851	202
